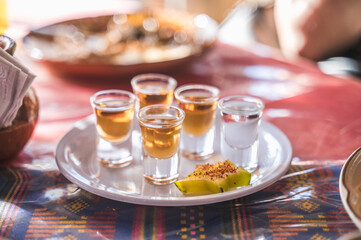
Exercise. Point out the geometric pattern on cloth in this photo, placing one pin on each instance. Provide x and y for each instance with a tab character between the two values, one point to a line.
304	204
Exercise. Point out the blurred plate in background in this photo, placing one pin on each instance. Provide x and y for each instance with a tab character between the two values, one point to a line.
121	44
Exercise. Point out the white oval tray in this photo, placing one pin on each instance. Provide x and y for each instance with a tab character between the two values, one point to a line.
76	159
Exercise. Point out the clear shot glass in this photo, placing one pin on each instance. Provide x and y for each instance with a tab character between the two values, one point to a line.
153	88
114	111
161	131
199	103
240	120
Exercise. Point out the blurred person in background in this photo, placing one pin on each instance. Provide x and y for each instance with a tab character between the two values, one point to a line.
317	29
327	32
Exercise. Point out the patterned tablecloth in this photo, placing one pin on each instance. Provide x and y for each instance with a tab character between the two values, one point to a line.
319	114
304	204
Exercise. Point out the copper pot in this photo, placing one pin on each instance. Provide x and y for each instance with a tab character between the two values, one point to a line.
14	138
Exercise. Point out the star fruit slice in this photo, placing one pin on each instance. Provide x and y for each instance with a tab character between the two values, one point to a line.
214	178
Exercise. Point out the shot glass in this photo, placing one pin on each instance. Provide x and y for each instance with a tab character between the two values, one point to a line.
153	88
114	111
161	131
199	103
240	120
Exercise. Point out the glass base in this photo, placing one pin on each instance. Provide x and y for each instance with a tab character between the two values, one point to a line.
197	147
246	158
161	181
114	155
160	171
196	156
115	163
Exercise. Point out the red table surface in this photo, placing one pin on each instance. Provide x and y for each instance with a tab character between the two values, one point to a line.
320	114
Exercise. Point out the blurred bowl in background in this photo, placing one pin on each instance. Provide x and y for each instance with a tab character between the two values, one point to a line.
14	138
350	187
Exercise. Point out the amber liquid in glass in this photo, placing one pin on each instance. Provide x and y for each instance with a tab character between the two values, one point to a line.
155	93
161	142
199	117
114	126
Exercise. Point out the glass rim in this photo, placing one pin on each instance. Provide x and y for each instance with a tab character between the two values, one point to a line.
213	90
179	119
115	92
244	98
172	83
